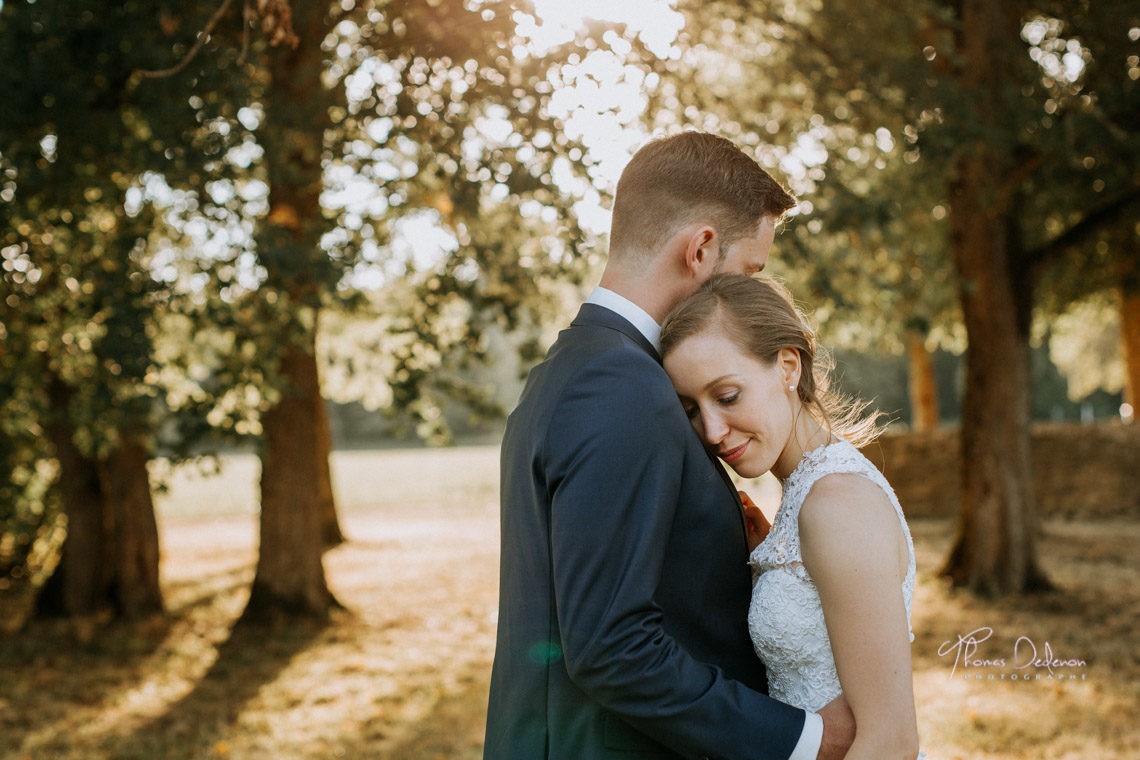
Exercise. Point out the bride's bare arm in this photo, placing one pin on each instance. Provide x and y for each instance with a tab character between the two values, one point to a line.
853	549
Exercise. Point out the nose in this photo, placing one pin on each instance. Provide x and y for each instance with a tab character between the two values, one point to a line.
715	429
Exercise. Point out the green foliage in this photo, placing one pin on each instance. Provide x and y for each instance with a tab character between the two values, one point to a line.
28	508
431	107
864	114
1084	341
139	157
446	117
75	221
82	135
824	95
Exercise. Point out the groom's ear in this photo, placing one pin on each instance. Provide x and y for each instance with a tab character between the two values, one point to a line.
702	250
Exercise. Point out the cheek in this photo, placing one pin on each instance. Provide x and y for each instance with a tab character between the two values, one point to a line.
771	418
783	421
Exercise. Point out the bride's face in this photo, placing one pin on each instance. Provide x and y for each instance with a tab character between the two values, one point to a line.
740	406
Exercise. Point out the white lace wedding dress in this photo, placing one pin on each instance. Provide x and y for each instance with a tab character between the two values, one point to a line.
785	618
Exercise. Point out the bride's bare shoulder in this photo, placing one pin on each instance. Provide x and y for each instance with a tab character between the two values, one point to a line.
847	516
844	492
847	506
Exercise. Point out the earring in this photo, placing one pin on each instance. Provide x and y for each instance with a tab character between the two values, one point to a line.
791	388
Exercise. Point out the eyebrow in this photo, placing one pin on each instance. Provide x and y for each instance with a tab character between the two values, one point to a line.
711	383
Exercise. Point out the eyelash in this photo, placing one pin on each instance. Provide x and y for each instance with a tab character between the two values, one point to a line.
728	400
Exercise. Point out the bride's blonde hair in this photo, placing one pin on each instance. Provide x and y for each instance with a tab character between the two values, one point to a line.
760	316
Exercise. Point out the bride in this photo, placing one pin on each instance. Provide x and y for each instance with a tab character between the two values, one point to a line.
834	575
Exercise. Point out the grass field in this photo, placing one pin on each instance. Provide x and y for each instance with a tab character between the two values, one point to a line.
403	672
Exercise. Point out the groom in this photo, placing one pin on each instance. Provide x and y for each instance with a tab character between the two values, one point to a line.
624	586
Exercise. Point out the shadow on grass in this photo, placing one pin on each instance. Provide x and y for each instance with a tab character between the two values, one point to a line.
186	596
53	665
452	729
252	656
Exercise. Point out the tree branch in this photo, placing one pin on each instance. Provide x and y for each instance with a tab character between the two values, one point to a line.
202	37
247	17
1014	181
1092	222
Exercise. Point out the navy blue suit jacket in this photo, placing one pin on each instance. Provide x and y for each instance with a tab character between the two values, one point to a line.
624	591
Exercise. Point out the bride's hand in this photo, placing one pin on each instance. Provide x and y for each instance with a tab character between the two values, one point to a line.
754	520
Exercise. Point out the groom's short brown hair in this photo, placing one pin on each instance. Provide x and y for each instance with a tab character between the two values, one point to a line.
691	177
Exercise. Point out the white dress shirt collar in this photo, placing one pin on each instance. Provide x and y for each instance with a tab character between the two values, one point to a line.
626	308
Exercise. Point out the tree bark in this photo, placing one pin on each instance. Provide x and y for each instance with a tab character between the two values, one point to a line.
125	484
81	583
1129	270
110	557
922	384
290	577
331	533
994	550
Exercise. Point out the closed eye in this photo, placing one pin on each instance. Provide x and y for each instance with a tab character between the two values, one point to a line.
729	399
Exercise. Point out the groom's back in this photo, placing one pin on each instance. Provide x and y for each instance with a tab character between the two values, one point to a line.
537	710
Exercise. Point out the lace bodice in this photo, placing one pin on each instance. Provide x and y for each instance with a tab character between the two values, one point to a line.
785	618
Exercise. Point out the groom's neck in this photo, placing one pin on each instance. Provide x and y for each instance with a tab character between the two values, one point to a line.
646	287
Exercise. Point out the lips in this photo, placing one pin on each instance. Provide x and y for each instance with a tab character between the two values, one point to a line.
733	455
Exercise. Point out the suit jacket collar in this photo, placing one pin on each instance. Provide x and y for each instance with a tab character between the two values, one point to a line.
593	314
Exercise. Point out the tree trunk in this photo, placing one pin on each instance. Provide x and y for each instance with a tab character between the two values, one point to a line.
134	548
1129	269
922	384
290	578
81	583
994	550
331	533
